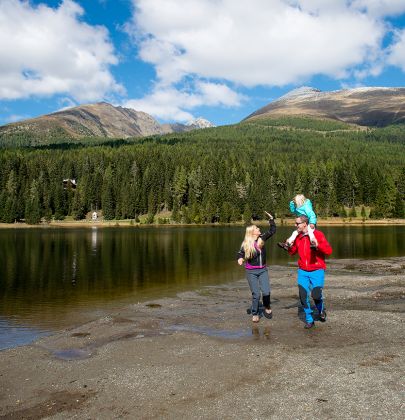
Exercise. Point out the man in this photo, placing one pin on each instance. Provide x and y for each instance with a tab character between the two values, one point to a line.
311	268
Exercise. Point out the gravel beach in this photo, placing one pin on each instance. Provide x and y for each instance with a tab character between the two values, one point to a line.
198	355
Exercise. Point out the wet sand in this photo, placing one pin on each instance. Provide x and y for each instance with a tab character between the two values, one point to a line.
198	355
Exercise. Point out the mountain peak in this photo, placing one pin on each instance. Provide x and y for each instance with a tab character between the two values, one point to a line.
96	120
303	91
200	123
367	106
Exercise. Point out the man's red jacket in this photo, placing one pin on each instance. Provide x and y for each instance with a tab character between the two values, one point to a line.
311	259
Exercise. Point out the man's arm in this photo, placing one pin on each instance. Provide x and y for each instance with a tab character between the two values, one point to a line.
293	248
323	244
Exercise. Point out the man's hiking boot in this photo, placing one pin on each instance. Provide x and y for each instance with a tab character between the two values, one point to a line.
283	245
322	316
309	325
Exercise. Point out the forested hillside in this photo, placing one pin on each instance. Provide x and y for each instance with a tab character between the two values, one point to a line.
219	174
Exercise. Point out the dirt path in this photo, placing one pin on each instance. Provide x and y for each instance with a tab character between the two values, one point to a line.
198	356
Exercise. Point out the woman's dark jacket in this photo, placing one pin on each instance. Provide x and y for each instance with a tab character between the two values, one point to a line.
259	258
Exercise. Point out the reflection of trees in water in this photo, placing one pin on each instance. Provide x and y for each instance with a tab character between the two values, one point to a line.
66	266
44	264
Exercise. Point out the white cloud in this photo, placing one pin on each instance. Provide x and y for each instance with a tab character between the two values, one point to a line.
171	104
14	118
47	51
397	50
373	8
380	8
253	42
258	42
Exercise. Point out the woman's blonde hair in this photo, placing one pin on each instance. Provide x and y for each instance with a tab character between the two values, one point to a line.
248	243
299	200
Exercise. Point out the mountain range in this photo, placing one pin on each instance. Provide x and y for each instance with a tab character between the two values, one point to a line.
366	106
372	106
97	120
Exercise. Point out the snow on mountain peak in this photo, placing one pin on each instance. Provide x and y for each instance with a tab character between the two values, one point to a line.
200	123
303	91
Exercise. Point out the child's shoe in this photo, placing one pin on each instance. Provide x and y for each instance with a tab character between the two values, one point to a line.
284	245
313	244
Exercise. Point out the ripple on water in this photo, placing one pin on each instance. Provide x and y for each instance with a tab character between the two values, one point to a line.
72	354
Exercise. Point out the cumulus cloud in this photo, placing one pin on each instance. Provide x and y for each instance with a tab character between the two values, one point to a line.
260	42
14	118
396	55
380	8
47	51
254	42
170	103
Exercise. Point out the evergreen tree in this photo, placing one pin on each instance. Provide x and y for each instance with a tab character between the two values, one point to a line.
78	205
10	211
398	210
247	214
353	212
107	195
32	209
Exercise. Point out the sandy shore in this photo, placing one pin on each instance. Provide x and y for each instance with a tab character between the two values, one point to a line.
199	356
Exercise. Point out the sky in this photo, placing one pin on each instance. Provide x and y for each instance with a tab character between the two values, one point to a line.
182	59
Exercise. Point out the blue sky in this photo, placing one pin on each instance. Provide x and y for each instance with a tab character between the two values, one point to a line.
183	59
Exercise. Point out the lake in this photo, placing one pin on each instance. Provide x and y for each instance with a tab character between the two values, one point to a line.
51	278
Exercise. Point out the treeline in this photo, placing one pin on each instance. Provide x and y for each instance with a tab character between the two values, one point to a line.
222	174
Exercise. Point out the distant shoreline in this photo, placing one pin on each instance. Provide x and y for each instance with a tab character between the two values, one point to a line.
130	223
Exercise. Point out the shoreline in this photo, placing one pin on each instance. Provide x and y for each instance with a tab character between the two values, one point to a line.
130	223
197	355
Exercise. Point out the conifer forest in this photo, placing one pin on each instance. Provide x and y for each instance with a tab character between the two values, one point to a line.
224	174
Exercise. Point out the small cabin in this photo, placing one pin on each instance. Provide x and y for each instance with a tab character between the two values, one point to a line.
94	215
69	183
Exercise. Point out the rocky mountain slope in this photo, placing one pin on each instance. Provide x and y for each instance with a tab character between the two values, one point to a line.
96	120
191	125
376	106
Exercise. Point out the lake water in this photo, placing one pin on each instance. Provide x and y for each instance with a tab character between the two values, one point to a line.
51	278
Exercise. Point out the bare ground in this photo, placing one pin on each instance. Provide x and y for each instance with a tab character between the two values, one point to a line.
199	356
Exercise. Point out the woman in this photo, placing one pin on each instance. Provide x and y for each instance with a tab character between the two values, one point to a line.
253	253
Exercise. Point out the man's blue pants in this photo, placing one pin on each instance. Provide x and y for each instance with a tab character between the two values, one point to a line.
311	283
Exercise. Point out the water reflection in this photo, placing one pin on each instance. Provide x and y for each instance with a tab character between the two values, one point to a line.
49	275
94	239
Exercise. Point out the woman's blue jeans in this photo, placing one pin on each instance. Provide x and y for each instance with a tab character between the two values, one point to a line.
259	283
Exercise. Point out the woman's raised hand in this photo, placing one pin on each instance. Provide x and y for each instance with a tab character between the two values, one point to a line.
269	215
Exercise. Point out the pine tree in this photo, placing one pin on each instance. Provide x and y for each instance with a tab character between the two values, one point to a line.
32	209
353	212
10	213
398	210
363	213
247	214
107	195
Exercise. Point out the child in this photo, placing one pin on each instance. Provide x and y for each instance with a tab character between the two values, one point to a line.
301	206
